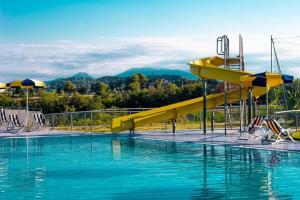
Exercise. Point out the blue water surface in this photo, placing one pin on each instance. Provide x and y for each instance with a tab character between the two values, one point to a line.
122	167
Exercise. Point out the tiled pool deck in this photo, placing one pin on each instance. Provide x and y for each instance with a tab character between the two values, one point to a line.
214	138
39	133
218	138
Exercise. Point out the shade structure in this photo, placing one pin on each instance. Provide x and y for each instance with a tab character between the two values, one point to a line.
26	84
261	79
2	86
30	84
15	84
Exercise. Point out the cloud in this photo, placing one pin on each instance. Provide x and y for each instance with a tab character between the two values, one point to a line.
110	56
107	56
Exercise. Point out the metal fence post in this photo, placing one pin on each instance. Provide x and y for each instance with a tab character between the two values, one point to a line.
71	123
91	121
212	120
66	119
52	121
204	106
296	122
85	121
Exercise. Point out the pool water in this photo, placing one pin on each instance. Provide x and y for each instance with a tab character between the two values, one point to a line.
120	167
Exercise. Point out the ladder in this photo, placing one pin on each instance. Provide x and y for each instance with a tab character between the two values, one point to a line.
223	49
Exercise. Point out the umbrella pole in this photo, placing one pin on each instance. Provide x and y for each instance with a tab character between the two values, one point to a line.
27	107
267	102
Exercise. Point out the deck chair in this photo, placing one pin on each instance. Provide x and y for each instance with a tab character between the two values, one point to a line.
253	127
281	133
40	120
3	118
15	122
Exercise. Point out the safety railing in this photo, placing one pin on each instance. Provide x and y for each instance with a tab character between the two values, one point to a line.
88	121
289	119
100	120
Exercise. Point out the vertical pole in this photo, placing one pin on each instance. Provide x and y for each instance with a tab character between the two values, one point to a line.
200	120
27	108
271	53
296	122
204	106
250	105
85	121
245	115
71	123
173	126
52	121
91	121
66	121
226	55
267	101
212	120
254	107
240	108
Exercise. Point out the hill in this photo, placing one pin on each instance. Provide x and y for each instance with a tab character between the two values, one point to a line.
120	80
81	75
147	71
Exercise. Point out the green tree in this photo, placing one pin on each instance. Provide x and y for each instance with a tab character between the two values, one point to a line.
5	100
135	86
82	90
293	94
103	90
50	103
69	87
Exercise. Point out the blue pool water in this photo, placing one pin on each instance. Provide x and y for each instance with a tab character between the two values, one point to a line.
119	167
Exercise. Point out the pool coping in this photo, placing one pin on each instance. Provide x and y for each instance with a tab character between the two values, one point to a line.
187	136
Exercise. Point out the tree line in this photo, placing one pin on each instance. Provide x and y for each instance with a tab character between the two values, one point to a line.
136	93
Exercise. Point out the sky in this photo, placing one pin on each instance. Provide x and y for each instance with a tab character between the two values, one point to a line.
57	38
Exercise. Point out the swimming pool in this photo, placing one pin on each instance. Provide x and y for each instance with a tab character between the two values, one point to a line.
120	167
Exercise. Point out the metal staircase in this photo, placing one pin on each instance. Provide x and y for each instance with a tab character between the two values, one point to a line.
223	49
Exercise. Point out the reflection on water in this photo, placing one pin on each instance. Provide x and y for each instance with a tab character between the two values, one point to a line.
116	148
114	167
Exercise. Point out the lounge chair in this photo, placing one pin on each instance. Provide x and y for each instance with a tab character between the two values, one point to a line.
281	133
15	122
3	118
40	120
253	127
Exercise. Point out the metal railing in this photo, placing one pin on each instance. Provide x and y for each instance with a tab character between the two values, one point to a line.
289	119
100	120
94	120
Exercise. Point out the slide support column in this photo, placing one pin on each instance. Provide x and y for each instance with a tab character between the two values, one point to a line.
250	101
204	105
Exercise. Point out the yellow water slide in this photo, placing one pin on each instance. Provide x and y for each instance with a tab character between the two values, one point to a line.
207	68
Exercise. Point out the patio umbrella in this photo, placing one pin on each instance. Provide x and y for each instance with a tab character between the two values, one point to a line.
26	84
261	80
2	86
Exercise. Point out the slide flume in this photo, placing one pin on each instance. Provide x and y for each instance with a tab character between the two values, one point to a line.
207	68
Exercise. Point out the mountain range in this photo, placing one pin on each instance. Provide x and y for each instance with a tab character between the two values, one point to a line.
85	79
147	71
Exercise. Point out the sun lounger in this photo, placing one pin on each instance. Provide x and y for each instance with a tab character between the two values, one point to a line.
15	122
253	127
3	118
40	120
281	134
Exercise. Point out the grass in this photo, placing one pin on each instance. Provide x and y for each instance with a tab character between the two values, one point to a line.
150	127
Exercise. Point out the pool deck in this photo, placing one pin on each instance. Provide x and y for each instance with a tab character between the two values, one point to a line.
5	134
212	138
218	138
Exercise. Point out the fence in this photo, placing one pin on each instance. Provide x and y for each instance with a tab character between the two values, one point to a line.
289	119
100	120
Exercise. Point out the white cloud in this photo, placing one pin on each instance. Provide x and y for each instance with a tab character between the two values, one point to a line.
110	56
